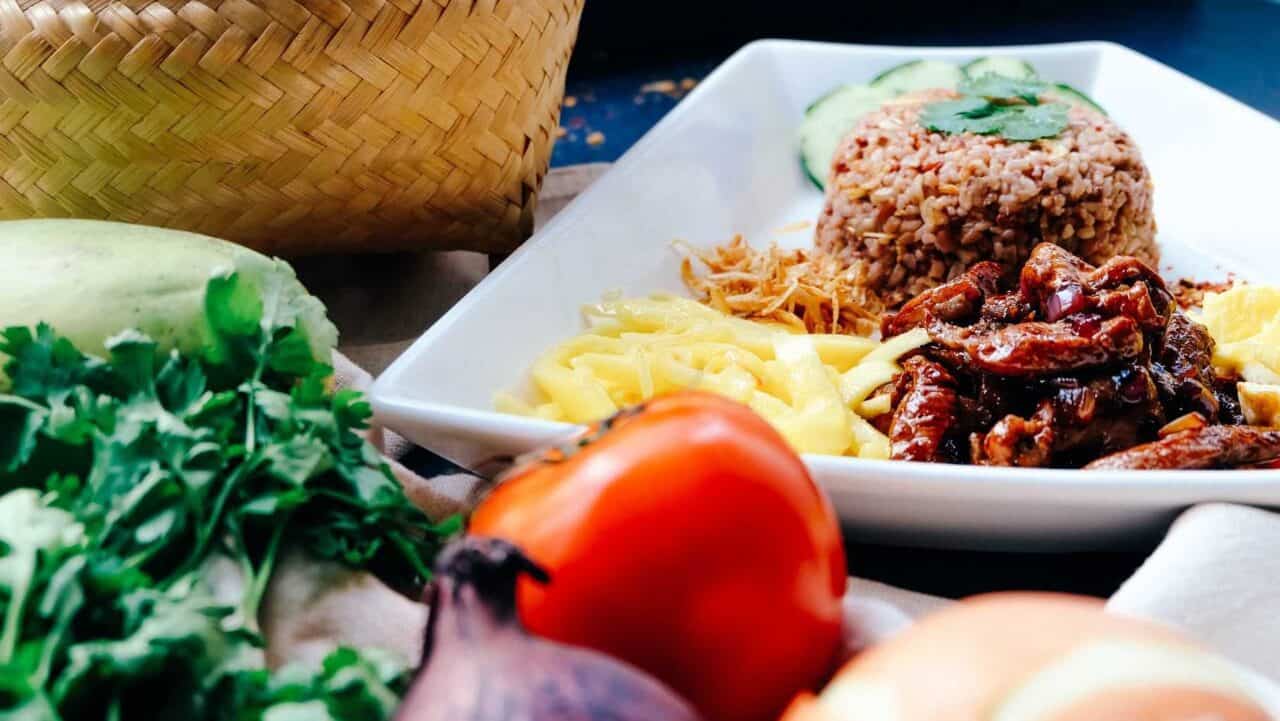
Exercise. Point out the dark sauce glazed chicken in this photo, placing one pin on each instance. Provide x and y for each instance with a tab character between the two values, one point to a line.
1068	365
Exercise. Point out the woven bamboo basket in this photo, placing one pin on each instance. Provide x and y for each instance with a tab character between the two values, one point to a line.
291	126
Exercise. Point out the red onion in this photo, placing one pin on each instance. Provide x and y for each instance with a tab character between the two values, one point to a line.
479	664
1066	301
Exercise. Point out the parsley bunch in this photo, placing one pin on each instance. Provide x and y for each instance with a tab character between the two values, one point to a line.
997	105
133	484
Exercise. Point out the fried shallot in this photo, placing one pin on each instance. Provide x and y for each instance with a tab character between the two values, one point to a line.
806	289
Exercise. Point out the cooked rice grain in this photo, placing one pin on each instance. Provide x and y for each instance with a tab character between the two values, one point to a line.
911	208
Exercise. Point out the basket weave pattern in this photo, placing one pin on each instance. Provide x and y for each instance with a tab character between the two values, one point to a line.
292	126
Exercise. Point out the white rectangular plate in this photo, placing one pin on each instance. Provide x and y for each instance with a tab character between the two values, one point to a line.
724	161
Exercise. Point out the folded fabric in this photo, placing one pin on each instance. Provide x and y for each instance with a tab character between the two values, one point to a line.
1217	576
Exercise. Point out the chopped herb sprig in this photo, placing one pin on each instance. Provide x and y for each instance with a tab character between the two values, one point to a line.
997	105
128	484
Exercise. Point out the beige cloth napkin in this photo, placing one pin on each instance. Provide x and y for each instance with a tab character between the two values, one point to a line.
1216	575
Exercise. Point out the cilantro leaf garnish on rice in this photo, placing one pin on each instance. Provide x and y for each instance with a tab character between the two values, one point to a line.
995	105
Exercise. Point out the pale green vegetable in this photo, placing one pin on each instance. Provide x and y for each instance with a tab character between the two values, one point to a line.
91	279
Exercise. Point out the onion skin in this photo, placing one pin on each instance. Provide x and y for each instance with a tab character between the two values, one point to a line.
1159	703
479	664
1032	657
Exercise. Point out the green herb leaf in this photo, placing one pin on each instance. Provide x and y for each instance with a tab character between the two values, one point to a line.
28	530
350	685
996	105
162	634
1033	122
24	702
966	115
43	365
123	481
1002	90
20	422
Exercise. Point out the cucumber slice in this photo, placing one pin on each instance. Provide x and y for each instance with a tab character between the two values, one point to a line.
1000	65
1071	96
828	120
918	75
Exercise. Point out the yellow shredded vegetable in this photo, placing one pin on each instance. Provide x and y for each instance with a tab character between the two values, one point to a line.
816	389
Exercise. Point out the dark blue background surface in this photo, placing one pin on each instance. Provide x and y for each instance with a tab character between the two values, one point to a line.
623	45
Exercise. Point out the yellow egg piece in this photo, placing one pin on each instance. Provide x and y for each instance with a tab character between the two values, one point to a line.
1240	312
1260	403
1245	323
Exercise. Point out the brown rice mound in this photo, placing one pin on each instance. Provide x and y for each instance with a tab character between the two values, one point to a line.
910	208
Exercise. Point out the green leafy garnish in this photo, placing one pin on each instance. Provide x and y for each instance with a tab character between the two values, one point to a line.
128	481
1032	122
349	685
1001	90
997	105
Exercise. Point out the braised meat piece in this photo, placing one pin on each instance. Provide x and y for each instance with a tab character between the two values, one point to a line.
1137	303
1229	410
1006	308
1058	284
984	399
1074	363
925	412
1053	282
1066	316
1105	413
1082	400
1122	270
1017	441
1037	348
1184	369
1208	447
1077	420
955	301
